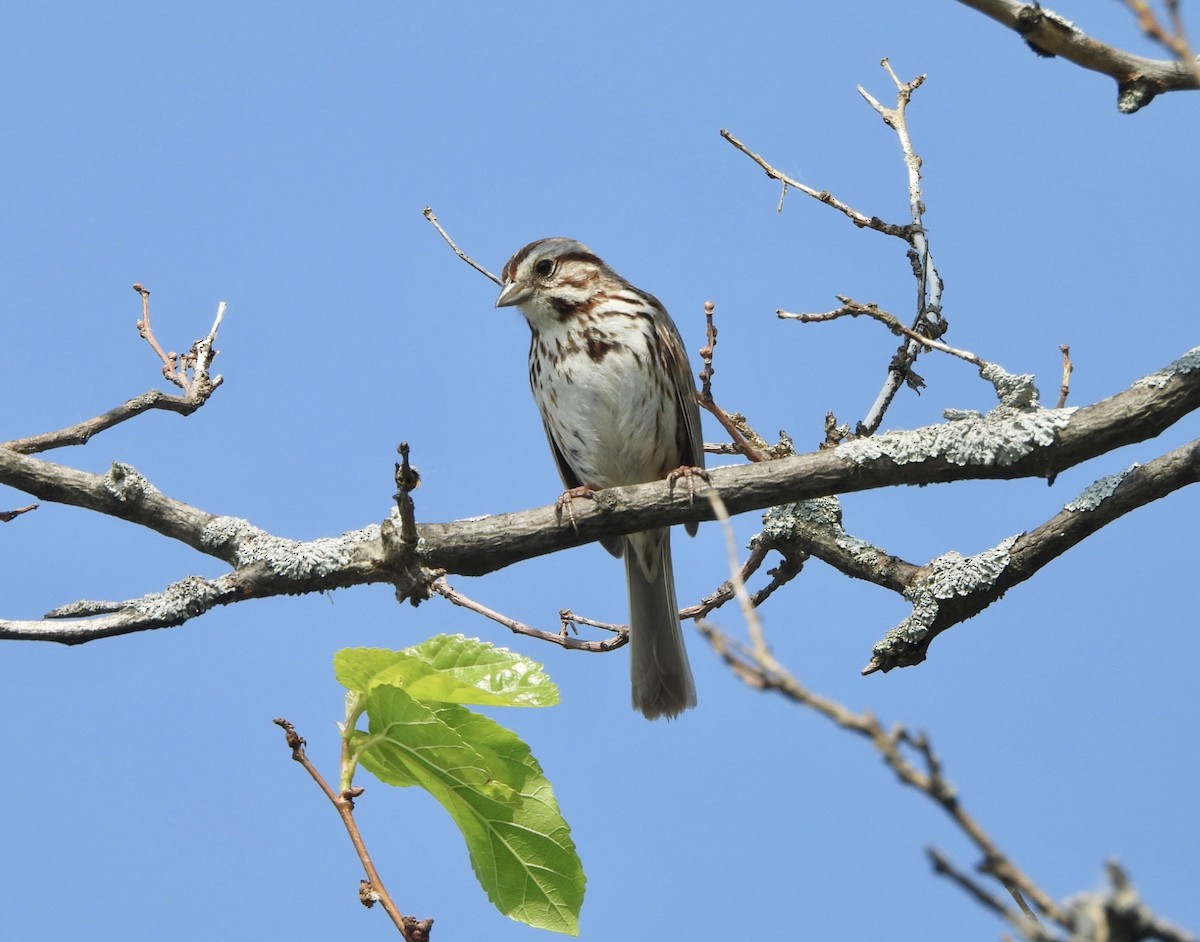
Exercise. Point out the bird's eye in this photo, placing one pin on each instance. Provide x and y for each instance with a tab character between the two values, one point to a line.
544	267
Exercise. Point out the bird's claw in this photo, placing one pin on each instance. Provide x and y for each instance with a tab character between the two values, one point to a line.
568	497
690	474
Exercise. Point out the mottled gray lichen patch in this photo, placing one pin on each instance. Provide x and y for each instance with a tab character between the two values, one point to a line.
1185	364
946	577
294	559
1018	392
179	601
780	522
126	483
1001	437
953	574
1097	492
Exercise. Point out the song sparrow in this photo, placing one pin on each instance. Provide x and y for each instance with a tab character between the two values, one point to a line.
611	378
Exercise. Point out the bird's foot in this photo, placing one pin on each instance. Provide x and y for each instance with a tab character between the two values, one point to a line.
569	496
689	474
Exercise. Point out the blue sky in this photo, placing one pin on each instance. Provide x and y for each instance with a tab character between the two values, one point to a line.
278	158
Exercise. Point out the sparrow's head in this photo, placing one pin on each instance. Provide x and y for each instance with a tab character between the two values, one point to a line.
551	278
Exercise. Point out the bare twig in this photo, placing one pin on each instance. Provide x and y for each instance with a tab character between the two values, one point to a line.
781	575
429	214
8	516
1175	39
170	361
562	638
928	321
762	652
822	196
705	397
176	367
758	668
1064	388
81	433
571	621
344	803
408	479
198	387
852	308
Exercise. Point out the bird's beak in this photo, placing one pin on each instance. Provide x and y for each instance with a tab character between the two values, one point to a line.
513	293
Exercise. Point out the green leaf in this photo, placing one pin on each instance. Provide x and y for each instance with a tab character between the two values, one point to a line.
493	788
450	669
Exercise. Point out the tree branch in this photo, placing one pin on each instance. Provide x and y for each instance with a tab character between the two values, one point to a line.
1011	441
1115	913
951	589
1048	34
190	372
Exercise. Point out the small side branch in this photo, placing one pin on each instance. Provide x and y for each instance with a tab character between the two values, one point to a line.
1174	38
190	372
928	321
1064	388
852	308
8	516
910	756
951	589
744	440
821	196
429	214
372	890
562	638
1139	80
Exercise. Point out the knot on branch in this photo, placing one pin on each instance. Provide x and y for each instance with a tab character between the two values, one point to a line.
417	930
401	560
126	483
1016	392
1135	94
1033	18
400	539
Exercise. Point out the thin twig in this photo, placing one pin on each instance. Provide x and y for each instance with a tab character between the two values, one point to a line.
762	672
928	319
428	213
197	360
1024	921
1068	368
197	388
725	592
561	638
170	361
762	652
705	397
1174	40
8	516
1139	79
852	308
344	804
408	479
758	667
822	196
570	622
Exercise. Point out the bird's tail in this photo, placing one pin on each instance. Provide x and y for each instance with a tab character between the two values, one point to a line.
658	662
